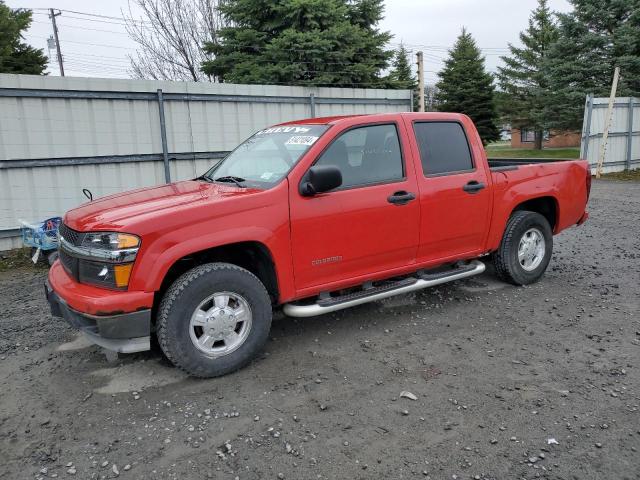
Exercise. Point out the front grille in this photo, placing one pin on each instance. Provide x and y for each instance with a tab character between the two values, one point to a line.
69	263
71	236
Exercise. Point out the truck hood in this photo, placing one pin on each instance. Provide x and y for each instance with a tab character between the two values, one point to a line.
123	210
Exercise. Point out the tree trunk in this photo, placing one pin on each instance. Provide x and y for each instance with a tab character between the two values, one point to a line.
538	139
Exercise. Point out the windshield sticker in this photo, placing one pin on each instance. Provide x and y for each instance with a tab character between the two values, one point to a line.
301	140
266	175
284	130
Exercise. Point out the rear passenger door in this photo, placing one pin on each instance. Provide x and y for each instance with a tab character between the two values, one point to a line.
454	199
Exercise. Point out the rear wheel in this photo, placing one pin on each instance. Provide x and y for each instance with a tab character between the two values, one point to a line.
214	319
525	250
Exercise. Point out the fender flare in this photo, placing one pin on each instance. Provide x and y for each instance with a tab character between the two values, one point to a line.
163	261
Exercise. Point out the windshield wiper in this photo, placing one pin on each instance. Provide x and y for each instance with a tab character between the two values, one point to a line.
205	178
237	180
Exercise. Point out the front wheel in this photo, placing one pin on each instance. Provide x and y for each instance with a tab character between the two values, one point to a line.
214	319
525	250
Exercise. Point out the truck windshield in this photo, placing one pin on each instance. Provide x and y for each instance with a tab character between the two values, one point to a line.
265	158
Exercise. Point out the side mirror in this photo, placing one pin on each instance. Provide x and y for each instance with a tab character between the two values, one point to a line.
319	179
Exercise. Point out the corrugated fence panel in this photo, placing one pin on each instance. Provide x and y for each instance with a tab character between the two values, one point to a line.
60	135
623	144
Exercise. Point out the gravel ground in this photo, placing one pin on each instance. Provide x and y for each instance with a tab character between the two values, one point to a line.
509	383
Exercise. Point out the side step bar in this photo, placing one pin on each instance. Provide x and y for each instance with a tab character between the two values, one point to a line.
407	285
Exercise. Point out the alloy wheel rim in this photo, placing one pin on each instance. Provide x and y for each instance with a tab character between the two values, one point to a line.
220	324
531	249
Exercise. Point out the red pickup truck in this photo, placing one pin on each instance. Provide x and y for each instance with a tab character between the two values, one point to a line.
314	216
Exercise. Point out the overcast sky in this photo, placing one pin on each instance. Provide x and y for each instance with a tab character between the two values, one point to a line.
98	47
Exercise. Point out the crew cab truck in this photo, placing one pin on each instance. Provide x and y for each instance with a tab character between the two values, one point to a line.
312	216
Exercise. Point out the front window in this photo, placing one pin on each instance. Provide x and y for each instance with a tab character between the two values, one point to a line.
366	155
267	157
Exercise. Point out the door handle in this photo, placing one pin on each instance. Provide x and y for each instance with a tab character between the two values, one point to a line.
473	186
401	197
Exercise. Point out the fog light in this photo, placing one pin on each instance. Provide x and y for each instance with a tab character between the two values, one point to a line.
122	274
106	275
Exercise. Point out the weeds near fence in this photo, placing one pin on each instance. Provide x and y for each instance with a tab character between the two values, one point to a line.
628	175
19	258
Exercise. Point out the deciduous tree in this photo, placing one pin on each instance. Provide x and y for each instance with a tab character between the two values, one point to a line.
171	35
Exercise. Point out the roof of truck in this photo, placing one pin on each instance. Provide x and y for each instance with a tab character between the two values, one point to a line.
336	119
320	120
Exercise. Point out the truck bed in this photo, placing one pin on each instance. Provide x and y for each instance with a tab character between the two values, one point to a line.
501	164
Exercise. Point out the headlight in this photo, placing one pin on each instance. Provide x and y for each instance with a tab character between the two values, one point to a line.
105	259
110	241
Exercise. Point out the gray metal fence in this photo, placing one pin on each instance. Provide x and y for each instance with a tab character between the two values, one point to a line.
60	135
623	145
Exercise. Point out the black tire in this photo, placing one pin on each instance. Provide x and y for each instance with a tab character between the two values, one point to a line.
505	259
183	298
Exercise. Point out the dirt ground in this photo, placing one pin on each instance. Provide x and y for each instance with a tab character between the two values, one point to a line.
511	383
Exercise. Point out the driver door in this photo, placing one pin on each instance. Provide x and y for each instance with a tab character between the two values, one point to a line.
360	228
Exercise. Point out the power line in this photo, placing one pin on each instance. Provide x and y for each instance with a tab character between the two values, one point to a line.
118	63
77	27
97	64
91	44
107	17
98	59
121	21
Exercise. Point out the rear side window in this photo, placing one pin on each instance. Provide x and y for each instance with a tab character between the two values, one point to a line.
366	155
443	147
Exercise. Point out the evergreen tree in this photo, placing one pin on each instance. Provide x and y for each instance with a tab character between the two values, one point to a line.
301	42
15	55
466	87
524	78
401	75
594	38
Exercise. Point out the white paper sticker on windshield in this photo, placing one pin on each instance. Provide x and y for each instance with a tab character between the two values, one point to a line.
301	140
266	175
283	130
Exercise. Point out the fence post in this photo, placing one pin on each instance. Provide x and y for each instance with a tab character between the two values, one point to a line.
587	128
630	133
312	104
163	137
607	121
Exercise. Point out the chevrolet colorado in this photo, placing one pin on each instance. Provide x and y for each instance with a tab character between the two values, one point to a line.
315	216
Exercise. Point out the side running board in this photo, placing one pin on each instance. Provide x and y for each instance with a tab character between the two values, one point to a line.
420	281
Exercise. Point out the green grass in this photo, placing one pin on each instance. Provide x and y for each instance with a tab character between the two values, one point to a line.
504	150
628	175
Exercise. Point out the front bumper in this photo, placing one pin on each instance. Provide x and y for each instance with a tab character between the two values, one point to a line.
124	333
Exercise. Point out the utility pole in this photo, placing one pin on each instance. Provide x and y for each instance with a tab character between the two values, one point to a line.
53	16
420	82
